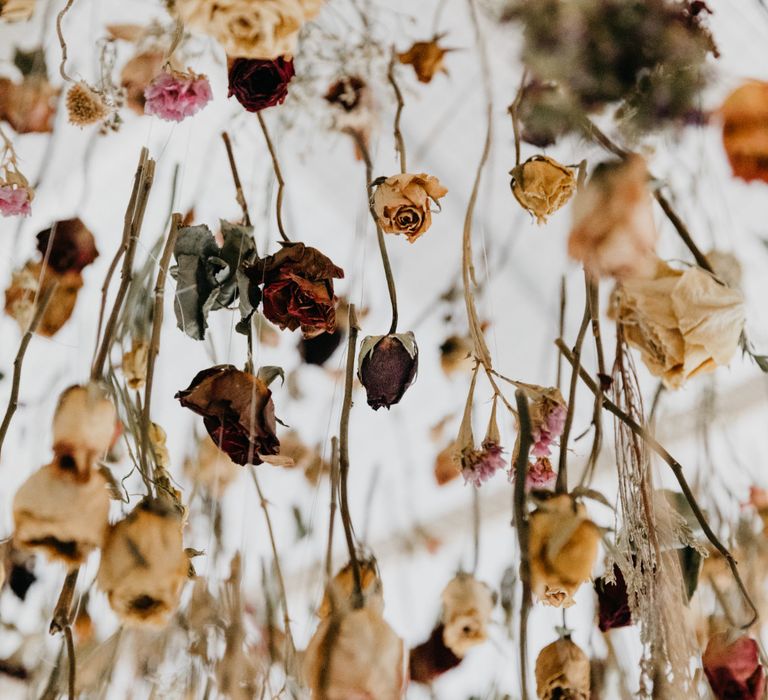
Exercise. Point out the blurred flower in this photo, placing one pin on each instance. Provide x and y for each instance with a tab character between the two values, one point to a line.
467	608
174	95
562	671
135	364
426	57
136	76
540	475
541	185
732	666
432	658
456	354
402	203
14	200
30	106
612	601
84	105
72	249
387	366
745	130
211	467
17	10
338	596
548	413
258	84
446	465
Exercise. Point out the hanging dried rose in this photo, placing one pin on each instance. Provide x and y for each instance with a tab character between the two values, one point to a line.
432	658
562	549
136	76
143	564
297	288
732	666
339	595
683	322
72	249
257	84
542	186
30	106
84	105
175	95
387	366
562	672
612	601
211	468
237	411
61	512
613	231
467	607
745	130
426	57
402	202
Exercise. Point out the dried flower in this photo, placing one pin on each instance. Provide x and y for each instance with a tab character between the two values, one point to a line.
745	133
17	10
135	364
612	601
447	466
548	412
14	200
613	231
61	512
352	103
136	76
431	658
540	475
477	466
456	354
143	564
84	105
562	672
402	202
258	84
175	95
72	249
732	666
562	549
683	322
467	607
297	288
338	597
544	113
426	57
237	411
211	467
541	185
387	366
30	106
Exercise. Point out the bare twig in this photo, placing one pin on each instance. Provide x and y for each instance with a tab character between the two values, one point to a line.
62	622
278	176
513	112
399	140
332	508
63	44
236	177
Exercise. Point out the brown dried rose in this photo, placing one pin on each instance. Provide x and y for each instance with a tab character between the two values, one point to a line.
387	366
541	185
562	672
338	597
402	202
136	76
237	411
297	288
73	247
426	57
732	666
683	322
562	549
613	232
30	106
745	130
467	607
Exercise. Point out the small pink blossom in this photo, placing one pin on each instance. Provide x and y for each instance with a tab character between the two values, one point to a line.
15	201
479	466
549	430
540	475
173	96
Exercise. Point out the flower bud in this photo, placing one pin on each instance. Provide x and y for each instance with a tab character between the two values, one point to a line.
387	367
541	185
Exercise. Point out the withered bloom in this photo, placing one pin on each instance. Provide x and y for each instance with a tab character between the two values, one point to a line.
612	602
347	93
258	84
467	607
477	466
296	288
387	366
237	411
541	185
432	658
745	130
350	98
402	203
30	106
732	666
426	57
72	249
562	672
84	105
338	597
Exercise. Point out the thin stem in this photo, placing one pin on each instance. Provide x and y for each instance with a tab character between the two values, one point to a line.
278	175
61	621
72	676
344	456
62	43
561	330
522	528
513	112
13	399
677	470
399	141
475	530
332	507
239	195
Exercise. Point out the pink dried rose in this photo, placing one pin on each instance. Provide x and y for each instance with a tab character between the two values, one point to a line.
175	95
477	466
733	669
15	201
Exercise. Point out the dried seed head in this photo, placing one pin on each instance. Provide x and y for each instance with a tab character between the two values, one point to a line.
84	105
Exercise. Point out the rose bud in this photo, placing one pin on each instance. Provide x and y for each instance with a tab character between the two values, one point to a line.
612	602
297	288
237	411
467	607
432	658
541	185
562	671
136	76
745	131
72	249
257	84
732	666
426	57
387	366
402	202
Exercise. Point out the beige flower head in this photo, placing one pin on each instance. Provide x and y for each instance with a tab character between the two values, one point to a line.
683	322
467	607
426	57
562	549
84	105
562	671
613	232
542	185
402	202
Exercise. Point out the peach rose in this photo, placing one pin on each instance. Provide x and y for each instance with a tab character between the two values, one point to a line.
401	203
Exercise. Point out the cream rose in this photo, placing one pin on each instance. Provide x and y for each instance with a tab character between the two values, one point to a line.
401	203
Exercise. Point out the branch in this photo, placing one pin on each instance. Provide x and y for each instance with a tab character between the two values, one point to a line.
278	175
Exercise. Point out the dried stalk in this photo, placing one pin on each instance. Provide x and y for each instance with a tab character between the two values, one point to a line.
332	507
62	43
399	141
278	175
513	112
239	195
62	622
677	470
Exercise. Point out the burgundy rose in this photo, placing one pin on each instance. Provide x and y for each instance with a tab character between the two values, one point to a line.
387	367
73	246
733	669
259	83
297	288
237	411
432	658
612	602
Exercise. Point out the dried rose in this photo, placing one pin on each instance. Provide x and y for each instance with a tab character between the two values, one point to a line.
353	113
84	105
432	658
612	601
30	106
176	95
401	203
136	76
387	366
72	249
683	322
237	411
541	185
745	133
338	596
258	84
426	57
562	549
318	350
297	289
562	671
613	232
467	607
732	666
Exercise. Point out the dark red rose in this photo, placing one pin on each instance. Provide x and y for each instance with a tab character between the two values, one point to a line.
387	367
432	658
733	669
612	602
237	412
297	288
73	246
257	83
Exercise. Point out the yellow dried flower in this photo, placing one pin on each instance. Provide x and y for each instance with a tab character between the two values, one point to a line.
84	105
562	671
426	57
542	185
